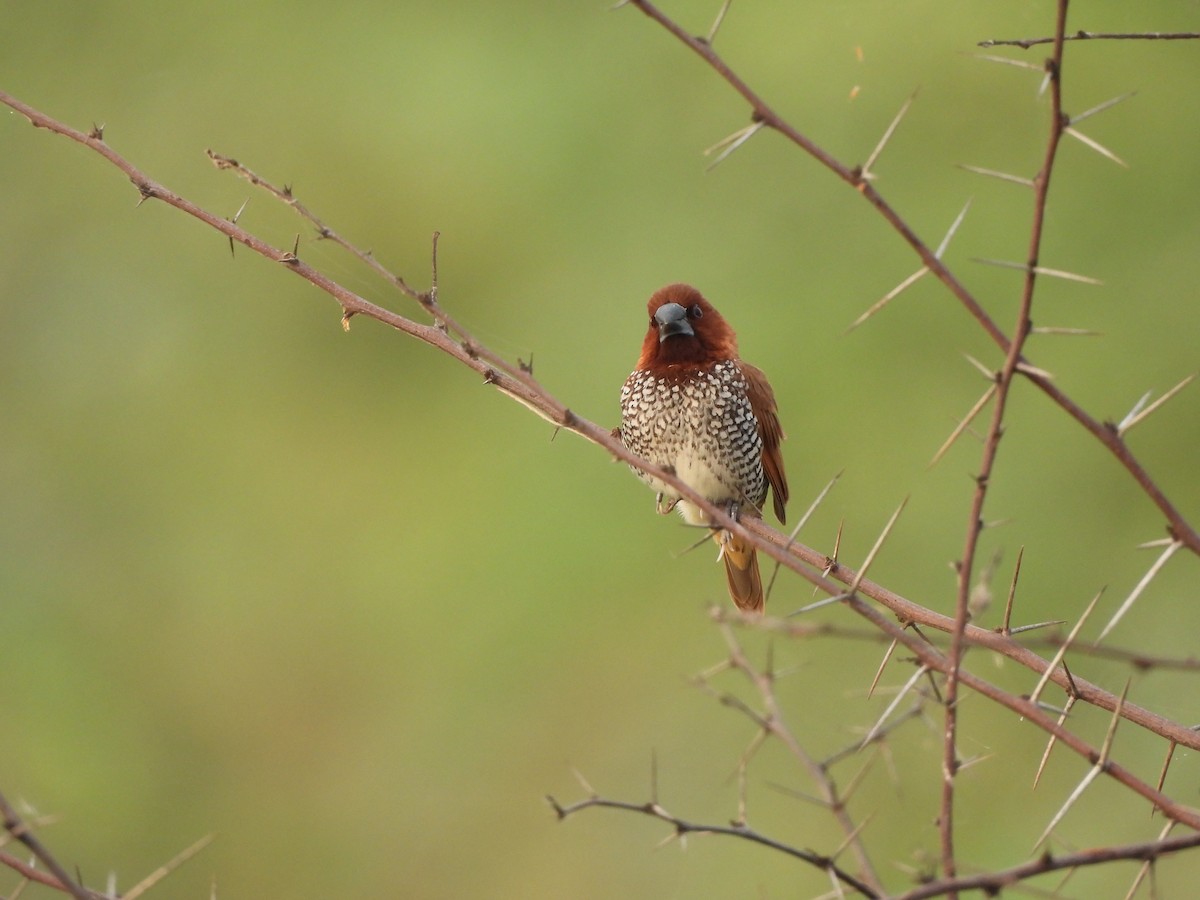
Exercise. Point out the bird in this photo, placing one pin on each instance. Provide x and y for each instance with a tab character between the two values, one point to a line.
695	409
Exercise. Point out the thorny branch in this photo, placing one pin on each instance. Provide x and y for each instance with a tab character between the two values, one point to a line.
740	830
991	445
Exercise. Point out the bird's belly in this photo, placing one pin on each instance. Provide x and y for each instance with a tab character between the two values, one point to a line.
711	483
700	472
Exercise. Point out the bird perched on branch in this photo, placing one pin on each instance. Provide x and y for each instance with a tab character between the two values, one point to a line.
695	409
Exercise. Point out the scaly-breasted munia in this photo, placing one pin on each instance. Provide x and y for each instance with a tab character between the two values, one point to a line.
696	410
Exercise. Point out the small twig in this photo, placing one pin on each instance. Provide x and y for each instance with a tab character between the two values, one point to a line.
737	830
1026	43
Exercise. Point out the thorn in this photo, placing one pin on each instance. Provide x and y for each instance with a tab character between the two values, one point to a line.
1146	868
732	143
583	783
887	136
167	868
848	839
908	686
293	256
882	665
862	572
1072	688
1075	795
1141	586
1045	83
1062	650
1162	775
97	132
1038	270
1021	629
1107	104
1157	542
1037	777
963	425
716	26
1076	332
1019	63
889	297
1026	369
953	228
1012	592
990	374
237	215
1095	145
526	367
828	601
673	836
1134	416
803	520
831	562
1003	176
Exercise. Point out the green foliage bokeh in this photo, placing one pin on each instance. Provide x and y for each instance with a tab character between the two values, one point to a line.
331	598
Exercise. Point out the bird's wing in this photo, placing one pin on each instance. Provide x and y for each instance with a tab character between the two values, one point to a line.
762	401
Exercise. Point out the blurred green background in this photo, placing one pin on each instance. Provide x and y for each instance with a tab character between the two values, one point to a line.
327	596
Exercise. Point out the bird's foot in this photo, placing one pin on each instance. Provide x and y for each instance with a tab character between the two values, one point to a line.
664	510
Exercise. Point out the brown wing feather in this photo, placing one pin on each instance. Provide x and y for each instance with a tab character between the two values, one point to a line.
762	401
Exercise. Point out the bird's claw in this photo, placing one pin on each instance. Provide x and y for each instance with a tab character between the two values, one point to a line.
664	510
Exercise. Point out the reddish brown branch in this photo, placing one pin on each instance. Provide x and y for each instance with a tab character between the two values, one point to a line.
992	883
991	446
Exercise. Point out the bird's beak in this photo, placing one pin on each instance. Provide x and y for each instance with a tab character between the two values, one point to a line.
672	319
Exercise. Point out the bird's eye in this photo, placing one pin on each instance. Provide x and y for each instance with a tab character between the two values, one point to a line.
696	312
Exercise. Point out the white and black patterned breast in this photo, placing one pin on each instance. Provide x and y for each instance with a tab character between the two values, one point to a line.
701	426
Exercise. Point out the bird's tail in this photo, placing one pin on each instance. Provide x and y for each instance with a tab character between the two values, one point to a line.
741	570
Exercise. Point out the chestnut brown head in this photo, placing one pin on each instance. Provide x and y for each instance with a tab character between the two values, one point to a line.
685	330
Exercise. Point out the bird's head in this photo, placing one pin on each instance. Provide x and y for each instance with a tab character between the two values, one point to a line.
685	330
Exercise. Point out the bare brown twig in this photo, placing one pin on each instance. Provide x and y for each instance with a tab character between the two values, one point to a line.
740	830
1026	43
